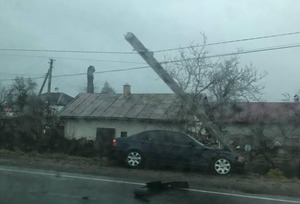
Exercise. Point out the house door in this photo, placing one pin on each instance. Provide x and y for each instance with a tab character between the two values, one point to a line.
104	138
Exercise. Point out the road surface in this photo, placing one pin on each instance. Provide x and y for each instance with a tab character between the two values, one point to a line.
19	185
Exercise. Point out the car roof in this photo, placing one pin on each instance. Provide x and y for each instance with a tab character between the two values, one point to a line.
159	131
153	131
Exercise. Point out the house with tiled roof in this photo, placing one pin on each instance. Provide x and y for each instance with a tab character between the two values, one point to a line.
96	115
105	116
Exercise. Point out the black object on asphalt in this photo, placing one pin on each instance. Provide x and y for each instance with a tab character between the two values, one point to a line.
157	187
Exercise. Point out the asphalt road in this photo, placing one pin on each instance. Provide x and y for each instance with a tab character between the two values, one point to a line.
19	185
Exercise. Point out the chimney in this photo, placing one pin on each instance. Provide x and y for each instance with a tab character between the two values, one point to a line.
90	79
296	98
126	90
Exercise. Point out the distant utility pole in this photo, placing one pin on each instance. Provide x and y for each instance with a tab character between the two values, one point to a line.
148	57
49	77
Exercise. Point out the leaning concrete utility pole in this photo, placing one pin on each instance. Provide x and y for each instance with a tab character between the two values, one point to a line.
156	66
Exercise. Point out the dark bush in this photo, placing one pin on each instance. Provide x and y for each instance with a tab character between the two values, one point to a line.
81	147
259	165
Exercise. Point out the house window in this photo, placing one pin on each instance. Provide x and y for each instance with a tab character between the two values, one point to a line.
123	134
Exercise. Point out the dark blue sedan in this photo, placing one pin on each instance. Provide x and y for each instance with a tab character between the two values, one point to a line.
173	148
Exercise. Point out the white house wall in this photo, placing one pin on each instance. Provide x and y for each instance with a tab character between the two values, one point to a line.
88	128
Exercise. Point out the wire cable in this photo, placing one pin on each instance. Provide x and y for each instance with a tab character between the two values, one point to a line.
12	74
166	62
79	74
71	58
157	51
239	53
68	51
229	41
69	84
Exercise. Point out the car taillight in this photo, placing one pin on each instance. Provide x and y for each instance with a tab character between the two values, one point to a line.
114	143
241	159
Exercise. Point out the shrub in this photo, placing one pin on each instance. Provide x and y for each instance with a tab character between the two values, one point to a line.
259	165
275	174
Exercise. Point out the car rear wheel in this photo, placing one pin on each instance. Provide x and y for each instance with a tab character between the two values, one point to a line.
134	159
222	166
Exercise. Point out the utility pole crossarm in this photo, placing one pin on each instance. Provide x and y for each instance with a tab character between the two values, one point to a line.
156	66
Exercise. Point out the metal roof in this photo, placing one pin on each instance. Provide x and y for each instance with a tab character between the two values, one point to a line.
116	106
57	98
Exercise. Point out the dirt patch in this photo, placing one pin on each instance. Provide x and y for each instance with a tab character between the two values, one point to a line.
249	183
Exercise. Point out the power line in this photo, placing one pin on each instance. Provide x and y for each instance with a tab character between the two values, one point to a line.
68	51
71	58
79	74
157	51
101	60
102	72
70	85
239	53
13	74
229	41
166	62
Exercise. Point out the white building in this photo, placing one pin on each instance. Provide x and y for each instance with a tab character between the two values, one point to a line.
105	116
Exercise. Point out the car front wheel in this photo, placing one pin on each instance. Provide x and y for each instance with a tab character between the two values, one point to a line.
134	159
222	166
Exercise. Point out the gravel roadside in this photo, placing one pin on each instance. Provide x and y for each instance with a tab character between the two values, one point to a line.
248	183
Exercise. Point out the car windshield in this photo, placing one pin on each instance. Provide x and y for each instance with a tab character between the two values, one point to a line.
195	140
200	99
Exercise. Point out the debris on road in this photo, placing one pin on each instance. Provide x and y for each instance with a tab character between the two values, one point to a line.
157	187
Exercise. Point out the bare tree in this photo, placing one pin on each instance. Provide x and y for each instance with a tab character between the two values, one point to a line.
20	91
223	80
3	97
83	88
107	89
287	97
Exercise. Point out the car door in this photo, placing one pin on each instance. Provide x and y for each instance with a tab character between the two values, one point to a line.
166	147
156	146
159	147
184	150
150	146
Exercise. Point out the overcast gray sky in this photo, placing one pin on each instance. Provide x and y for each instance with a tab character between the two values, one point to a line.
101	25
